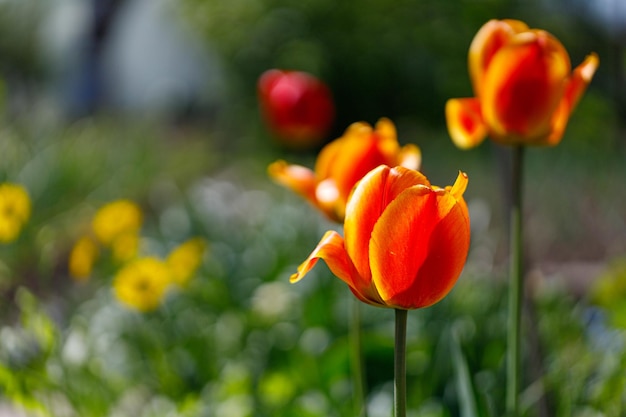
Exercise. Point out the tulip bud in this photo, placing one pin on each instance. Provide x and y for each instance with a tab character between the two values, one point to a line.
297	107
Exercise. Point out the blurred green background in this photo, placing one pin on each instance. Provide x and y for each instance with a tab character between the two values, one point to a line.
155	101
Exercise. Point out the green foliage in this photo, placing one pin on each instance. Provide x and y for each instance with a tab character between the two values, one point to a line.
239	340
406	57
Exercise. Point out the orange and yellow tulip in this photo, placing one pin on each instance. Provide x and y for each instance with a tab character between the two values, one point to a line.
524	88
343	162
405	242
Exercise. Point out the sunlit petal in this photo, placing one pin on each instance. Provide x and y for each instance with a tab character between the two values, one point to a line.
576	86
419	274
487	41
410	157
523	86
329	199
465	123
370	198
296	177
360	153
387	140
460	185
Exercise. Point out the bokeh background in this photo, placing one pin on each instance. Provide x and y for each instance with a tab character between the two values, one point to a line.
155	101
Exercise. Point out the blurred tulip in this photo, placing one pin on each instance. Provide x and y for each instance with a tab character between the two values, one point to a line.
15	207
297	107
524	88
343	162
405	243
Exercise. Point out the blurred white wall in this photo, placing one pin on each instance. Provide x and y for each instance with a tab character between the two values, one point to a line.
150	61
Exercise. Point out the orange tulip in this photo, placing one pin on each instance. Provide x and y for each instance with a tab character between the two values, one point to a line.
405	243
343	162
524	88
296	106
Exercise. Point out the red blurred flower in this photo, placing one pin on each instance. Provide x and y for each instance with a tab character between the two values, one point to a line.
296	106
524	88
405	243
343	162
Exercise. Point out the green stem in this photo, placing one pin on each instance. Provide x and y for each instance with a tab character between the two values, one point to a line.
516	287
400	365
357	359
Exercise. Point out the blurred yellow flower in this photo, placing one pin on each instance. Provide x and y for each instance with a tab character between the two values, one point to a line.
15	209
185	259
125	247
82	258
115	219
142	284
116	225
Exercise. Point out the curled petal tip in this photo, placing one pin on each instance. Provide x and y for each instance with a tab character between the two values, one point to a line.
303	269
460	185
295	278
276	167
300	179
589	66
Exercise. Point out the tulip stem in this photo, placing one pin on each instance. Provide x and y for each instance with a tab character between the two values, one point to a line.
400	364
516	286
357	359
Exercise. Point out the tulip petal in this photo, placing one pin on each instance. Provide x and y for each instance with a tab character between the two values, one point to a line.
523	86
387	140
410	157
296	177
419	247
465	122
576	86
460	185
331	249
492	36
353	156
368	201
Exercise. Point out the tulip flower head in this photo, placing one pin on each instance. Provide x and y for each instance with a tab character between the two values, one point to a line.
343	162
406	241
296	106
524	88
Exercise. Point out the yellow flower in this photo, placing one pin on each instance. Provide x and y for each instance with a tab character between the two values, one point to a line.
142	284
116	225
185	259
125	247
15	209
115	219
82	258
